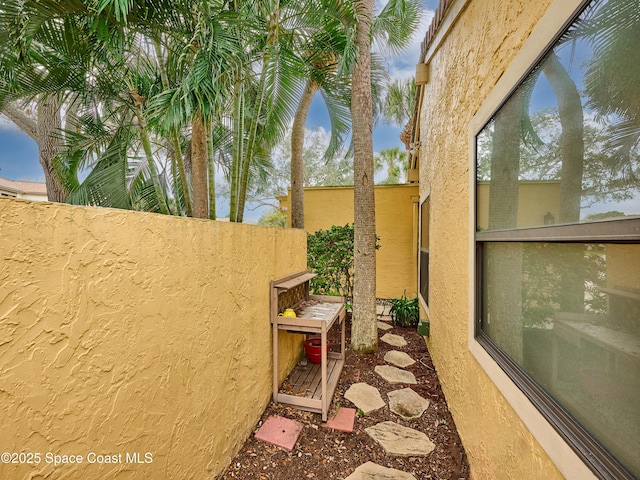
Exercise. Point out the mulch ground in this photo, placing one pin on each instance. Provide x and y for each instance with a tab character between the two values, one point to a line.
322	453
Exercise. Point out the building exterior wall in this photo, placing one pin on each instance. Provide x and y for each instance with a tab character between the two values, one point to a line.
396	225
26	190
125	332
476	44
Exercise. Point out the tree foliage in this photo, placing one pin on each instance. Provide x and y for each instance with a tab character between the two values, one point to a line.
330	256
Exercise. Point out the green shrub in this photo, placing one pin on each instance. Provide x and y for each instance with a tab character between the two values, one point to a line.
405	312
330	256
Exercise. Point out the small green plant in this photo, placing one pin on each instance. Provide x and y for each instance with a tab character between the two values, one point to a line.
404	311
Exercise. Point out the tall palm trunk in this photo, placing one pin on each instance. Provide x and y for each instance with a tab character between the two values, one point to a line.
504	279
146	145
48	129
572	122
212	174
364	331
238	148
176	151
297	150
572	148
199	170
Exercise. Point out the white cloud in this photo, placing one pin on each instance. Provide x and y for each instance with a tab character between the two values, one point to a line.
403	65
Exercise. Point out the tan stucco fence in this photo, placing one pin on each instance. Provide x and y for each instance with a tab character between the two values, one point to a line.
134	345
396	225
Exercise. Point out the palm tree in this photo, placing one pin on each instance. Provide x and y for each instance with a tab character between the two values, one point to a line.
61	55
267	100
395	162
364	338
331	60
398	107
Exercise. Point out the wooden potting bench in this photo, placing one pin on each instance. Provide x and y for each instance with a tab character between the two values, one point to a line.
311	386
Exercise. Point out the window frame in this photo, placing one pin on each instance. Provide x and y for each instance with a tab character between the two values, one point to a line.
425	202
576	454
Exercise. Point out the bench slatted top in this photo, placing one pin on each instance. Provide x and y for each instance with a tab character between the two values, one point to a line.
321	311
294	282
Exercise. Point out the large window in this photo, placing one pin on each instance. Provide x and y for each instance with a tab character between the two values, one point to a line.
558	236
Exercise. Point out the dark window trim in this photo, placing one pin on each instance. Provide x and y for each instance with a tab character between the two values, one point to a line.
423	289
601	462
611	231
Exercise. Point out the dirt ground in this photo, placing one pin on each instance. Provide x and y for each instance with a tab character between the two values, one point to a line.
322	453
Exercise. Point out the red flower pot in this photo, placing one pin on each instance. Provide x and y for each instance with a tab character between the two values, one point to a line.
313	349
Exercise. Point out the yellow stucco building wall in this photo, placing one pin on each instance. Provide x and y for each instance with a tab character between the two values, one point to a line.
134	345
396	225
476	43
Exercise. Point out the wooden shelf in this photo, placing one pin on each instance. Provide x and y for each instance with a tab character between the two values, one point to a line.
315	315
294	282
304	386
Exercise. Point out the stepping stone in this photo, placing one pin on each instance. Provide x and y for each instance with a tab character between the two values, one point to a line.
373	471
400	441
279	431
365	397
343	420
407	403
395	374
380	309
399	359
395	340
384	326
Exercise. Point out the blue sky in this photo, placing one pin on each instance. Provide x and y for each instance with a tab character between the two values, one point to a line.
19	154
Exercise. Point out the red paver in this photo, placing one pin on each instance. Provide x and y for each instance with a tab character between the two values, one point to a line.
279	431
343	420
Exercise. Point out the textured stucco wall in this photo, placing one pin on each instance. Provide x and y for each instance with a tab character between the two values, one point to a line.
464	70
395	260
126	332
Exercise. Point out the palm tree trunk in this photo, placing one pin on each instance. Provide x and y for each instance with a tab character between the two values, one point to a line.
176	150
364	332
146	145
297	150
238	150
182	173
504	279
199	171
572	122
48	129
251	141
212	174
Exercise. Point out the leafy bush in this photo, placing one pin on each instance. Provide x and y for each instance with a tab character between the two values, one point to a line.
405	312
330	256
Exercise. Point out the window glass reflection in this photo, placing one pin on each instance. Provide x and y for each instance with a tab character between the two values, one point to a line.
569	315
565	147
